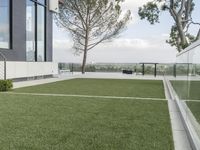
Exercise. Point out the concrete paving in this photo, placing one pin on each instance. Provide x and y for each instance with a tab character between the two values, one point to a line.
69	76
181	141
118	76
20	84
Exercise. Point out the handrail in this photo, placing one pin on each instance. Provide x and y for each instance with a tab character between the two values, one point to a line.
189	48
4	60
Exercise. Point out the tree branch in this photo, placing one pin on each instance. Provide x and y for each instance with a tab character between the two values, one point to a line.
75	6
100	16
180	12
198	35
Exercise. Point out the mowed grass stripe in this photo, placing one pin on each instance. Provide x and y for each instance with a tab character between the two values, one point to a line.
192	100
74	123
106	87
85	96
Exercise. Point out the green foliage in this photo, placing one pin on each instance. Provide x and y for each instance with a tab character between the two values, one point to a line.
181	13
91	22
150	11
90	68
174	39
191	37
5	85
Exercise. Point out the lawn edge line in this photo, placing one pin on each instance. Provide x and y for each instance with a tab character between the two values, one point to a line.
86	96
192	100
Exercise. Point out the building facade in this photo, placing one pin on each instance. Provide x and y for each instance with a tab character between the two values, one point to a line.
26	35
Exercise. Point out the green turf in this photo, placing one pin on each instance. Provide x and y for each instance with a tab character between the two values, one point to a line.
195	108
66	123
187	90
103	87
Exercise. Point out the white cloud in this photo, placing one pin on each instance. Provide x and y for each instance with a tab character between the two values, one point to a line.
128	43
121	50
166	35
134	4
128	48
62	44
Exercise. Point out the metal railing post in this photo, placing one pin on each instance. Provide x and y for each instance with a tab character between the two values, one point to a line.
4	68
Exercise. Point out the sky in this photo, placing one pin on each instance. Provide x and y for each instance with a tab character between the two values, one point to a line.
140	42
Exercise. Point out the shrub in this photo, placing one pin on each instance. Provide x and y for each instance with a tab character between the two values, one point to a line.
6	85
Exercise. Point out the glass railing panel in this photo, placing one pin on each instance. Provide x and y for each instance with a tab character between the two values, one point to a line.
165	69
186	84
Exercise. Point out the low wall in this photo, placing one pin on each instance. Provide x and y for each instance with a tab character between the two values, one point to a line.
16	70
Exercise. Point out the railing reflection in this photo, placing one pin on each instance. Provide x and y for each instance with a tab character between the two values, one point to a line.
186	85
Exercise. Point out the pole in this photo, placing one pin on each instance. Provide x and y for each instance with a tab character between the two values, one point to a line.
143	69
174	70
72	68
4	69
4	59
155	70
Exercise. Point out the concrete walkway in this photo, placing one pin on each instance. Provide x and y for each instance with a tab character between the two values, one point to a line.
181	141
93	75
20	84
102	75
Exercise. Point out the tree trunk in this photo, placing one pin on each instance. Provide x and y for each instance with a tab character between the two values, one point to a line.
198	35
178	44
85	53
84	61
183	39
86	43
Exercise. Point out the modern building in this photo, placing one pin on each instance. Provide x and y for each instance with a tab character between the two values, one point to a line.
26	38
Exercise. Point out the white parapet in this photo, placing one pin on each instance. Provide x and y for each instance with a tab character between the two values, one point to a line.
30	69
2	68
53	5
190	55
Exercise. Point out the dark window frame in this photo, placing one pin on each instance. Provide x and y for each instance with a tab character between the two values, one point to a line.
10	24
36	3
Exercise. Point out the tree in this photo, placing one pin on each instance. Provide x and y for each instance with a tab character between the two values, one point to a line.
91	22
181	12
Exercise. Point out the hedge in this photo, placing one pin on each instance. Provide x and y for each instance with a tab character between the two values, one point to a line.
5	85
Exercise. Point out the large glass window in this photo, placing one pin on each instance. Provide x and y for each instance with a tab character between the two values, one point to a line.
40	33
30	31
4	24
41	1
35	30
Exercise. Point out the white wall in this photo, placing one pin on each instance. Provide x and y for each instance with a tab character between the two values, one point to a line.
30	69
53	5
191	54
1	70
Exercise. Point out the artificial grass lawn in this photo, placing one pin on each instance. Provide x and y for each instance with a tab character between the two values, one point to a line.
195	108
71	123
101	87
182	87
